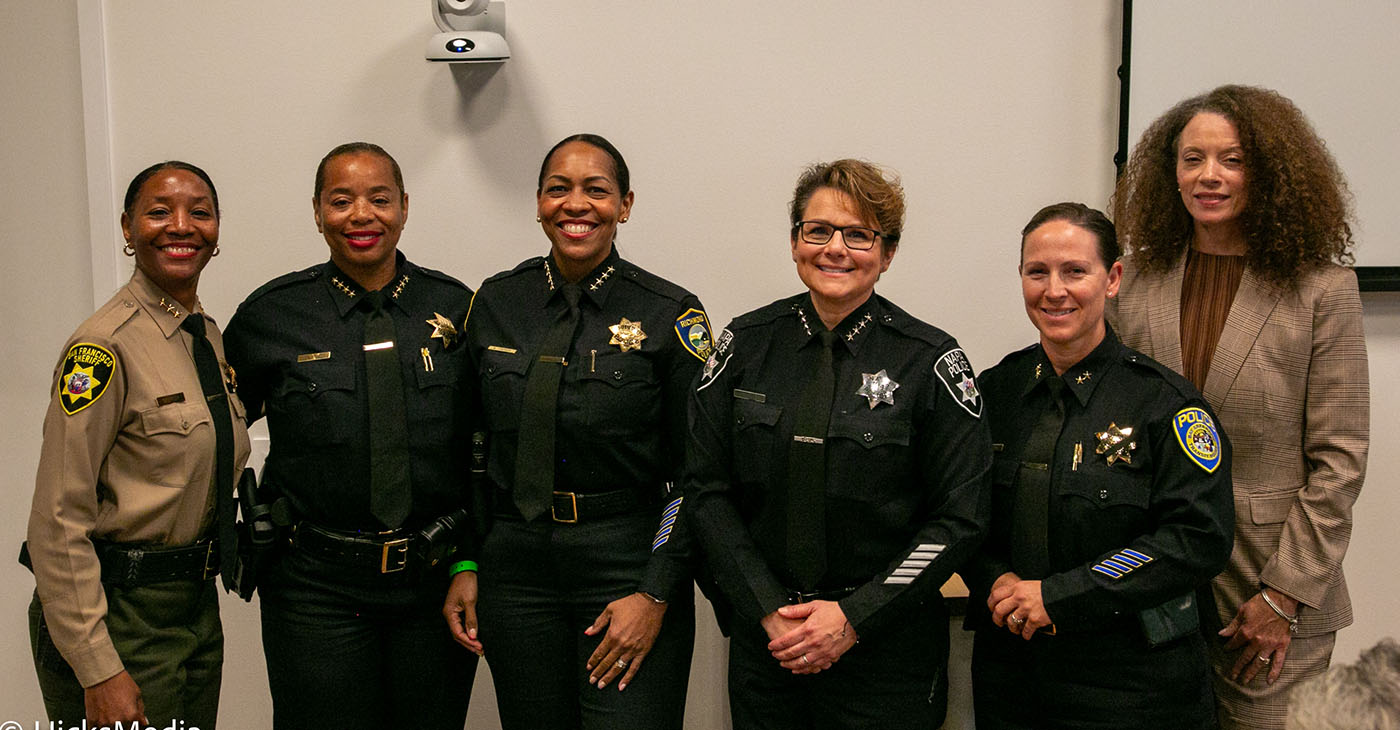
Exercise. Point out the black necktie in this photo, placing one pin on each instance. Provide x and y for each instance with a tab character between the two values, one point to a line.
1030	518
534	456
211	381
389	489
806	476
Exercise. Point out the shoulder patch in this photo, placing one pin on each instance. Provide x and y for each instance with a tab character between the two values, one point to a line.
693	329
83	378
955	372
717	359
1196	433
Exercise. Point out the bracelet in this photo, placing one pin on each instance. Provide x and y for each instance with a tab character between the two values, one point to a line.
654	599
462	566
1292	620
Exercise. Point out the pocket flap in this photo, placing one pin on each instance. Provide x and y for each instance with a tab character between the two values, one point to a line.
174	418
1269	509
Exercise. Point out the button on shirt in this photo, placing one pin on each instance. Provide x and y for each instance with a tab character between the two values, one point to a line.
621	409
298	345
1125	536
132	463
904	498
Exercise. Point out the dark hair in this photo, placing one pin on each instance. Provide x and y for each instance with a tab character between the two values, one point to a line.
350	148
876	191
1082	216
134	189
1296	201
624	180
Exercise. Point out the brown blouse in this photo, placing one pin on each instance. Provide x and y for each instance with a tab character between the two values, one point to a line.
1207	291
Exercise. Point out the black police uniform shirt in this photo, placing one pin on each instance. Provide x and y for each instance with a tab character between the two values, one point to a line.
1153	524
621	410
906	454
298	346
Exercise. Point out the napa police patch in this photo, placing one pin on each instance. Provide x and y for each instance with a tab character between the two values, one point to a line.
1196	433
83	378
693	329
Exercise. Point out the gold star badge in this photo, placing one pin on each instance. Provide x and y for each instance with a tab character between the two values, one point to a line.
1116	444
442	330
627	335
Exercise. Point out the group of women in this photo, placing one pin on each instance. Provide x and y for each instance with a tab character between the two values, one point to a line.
549	463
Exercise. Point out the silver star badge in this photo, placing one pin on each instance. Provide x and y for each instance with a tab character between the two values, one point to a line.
968	388
877	388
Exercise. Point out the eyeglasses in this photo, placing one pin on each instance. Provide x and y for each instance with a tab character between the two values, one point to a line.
857	238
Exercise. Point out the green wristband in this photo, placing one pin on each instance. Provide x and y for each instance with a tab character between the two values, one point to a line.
461	566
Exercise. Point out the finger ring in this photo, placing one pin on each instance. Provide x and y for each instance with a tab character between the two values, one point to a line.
1263	659
620	664
1016	620
804	659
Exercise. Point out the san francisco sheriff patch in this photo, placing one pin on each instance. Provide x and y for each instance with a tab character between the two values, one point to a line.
86	371
693	329
1196	433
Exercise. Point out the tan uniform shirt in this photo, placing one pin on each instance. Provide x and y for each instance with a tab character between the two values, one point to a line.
128	456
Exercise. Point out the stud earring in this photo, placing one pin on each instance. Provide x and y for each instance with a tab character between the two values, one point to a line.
539	219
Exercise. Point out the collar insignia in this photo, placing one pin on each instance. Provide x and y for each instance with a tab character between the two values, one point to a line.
599	282
1116	444
877	388
1083	377
169	307
335	280
627	335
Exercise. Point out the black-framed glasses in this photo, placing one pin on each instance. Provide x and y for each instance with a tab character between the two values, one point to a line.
858	238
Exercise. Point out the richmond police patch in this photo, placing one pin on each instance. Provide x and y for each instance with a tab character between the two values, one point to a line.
693	329
84	376
1196	433
956	373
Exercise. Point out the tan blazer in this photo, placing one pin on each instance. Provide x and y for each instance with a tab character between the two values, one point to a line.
1289	384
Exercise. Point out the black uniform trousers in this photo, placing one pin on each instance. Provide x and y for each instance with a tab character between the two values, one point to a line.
893	680
170	641
362	654
1090	681
542	583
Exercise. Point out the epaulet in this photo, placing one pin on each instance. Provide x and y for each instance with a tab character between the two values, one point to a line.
765	314
534	262
110	318
909	326
1133	358
653	283
283	281
445	278
1012	357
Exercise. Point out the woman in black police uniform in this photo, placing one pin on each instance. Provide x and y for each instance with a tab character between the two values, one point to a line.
835	478
356	362
1111	507
584	361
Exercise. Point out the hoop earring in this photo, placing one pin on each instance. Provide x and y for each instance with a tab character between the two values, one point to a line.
216	251
128	249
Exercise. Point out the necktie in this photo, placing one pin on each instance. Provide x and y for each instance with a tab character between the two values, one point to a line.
806	476
389	488
211	381
1030	517
534	456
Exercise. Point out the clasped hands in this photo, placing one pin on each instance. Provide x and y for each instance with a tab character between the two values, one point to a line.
808	637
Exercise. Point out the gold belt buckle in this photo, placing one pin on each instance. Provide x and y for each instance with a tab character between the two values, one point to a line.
210	570
400	547
573	506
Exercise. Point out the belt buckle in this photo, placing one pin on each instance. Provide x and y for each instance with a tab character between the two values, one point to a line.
400	558
210	570
796	597
573	506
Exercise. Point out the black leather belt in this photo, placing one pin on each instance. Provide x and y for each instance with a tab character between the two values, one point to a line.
127	565
367	553
834	594
570	508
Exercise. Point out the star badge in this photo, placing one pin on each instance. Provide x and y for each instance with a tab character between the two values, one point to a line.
627	335
1116	444
877	388
968	388
442	330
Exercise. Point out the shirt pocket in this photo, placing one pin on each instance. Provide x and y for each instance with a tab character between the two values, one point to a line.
503	388
317	404
754	429
622	395
173	446
870	456
434	414
1106	487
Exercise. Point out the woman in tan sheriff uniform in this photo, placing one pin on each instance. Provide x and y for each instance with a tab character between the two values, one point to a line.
142	434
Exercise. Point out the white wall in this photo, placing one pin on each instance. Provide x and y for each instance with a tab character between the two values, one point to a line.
988	110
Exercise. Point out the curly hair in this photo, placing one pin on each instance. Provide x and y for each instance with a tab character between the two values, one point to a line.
1297	206
876	191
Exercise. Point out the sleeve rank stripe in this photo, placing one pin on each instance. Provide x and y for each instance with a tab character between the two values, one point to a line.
1119	564
907	571
1138	555
1108	572
898	580
1125	558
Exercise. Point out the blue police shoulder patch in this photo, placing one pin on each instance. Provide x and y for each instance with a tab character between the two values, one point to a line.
693	330
1196	433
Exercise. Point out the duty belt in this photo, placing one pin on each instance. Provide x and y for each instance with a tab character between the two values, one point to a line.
833	594
384	553
127	565
570	508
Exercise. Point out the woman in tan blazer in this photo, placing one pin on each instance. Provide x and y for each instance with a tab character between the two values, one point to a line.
1236	216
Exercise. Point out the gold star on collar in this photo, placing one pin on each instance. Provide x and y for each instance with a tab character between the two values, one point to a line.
1037	371
170	307
1114	442
346	290
627	335
442	330
1083	377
